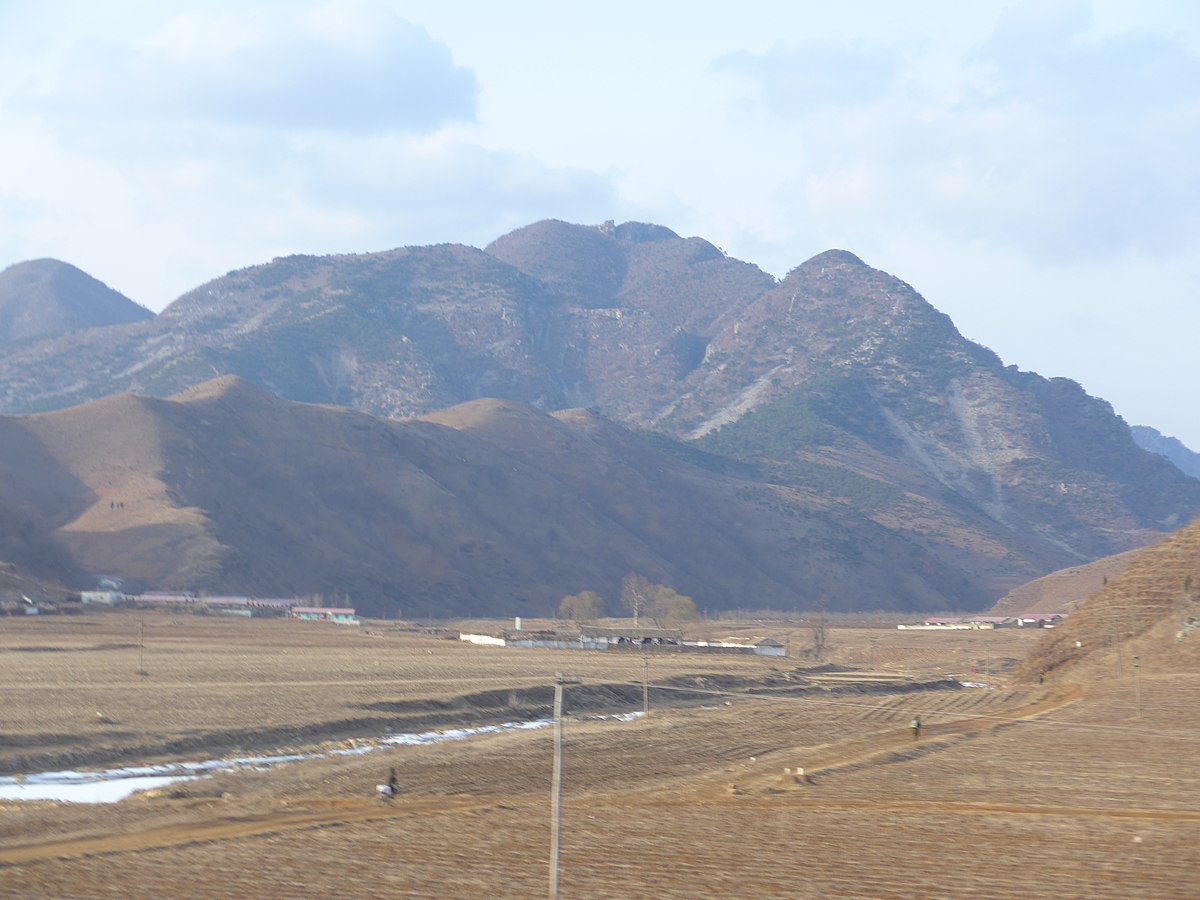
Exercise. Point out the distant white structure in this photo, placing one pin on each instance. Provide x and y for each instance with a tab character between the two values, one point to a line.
599	637
983	623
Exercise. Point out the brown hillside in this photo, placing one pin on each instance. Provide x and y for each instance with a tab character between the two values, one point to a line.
1064	590
1150	611
490	508
111	506
839	384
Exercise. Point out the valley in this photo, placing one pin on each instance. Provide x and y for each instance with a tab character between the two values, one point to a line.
1011	787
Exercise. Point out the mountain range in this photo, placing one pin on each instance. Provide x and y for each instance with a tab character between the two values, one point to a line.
838	392
484	507
1175	450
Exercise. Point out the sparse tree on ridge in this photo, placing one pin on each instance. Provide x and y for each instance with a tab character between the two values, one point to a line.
582	608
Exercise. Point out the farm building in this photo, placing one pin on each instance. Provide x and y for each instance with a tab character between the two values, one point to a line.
338	615
544	640
161	598
257	606
1040	620
234	605
958	623
599	637
641	637
769	647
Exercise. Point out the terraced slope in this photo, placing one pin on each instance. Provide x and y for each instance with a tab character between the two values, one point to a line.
1148	615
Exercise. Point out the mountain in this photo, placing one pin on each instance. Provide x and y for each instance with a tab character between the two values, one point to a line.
839	382
487	508
1186	460
45	297
28	550
1148	615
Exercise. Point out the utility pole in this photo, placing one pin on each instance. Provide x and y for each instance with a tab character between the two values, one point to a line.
141	648
556	784
1137	687
645	686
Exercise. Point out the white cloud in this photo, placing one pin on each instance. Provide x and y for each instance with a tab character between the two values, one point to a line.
1030	168
1043	139
301	72
221	139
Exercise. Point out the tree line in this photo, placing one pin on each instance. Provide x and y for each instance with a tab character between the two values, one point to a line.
640	597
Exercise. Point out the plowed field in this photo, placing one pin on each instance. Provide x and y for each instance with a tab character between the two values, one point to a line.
1008	792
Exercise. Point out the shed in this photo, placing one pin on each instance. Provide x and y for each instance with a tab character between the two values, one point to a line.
630	636
339	615
769	647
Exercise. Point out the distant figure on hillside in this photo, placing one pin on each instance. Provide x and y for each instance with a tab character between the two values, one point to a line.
915	725
391	782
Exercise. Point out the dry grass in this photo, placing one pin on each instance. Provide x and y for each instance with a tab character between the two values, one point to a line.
1008	793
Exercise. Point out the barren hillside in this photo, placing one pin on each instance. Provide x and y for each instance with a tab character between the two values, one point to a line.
490	508
1147	616
839	385
1064	590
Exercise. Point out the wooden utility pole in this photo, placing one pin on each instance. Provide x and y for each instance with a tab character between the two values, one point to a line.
1137	687
645	687
556	784
141	648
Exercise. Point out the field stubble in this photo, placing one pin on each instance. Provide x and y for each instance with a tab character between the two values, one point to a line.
1008	792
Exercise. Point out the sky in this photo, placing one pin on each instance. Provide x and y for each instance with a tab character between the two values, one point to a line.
1032	169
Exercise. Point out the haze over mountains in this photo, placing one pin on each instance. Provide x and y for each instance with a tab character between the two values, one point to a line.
836	400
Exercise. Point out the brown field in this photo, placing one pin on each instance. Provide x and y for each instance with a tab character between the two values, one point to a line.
1012	791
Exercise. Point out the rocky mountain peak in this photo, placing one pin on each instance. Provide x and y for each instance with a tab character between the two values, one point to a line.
839	386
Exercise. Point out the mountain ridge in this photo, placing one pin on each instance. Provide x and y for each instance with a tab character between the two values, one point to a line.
488	508
1184	458
838	382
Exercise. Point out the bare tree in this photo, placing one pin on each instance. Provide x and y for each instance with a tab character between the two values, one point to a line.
636	594
818	625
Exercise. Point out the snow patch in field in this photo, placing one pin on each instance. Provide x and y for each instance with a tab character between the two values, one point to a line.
112	785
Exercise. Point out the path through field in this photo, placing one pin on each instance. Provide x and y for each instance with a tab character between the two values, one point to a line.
1084	791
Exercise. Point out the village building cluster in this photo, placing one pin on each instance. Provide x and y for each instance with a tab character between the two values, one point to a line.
977	623
277	607
606	637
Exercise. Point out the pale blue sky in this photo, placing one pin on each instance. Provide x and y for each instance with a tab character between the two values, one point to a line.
1031	168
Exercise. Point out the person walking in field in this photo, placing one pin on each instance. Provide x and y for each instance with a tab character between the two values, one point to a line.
915	725
387	791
